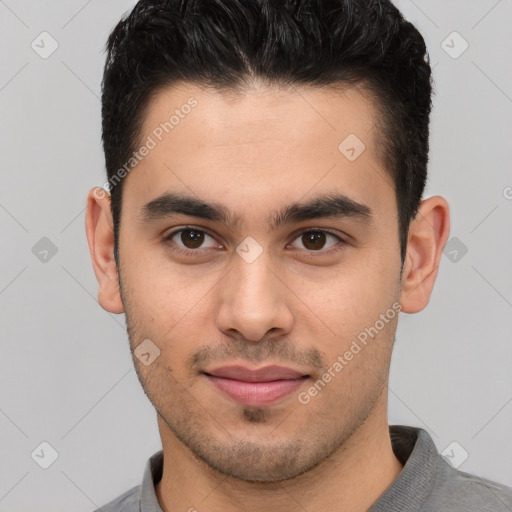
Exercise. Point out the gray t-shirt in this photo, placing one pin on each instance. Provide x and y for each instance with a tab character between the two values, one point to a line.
427	483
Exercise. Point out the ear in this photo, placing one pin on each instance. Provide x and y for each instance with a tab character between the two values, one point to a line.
100	237
428	233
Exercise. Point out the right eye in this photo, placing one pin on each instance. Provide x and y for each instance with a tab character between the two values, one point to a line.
189	240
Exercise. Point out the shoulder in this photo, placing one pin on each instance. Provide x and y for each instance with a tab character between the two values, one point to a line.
127	502
456	490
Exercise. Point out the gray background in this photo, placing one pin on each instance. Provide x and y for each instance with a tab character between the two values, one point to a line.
66	375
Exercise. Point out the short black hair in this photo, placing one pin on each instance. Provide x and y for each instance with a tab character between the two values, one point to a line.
227	44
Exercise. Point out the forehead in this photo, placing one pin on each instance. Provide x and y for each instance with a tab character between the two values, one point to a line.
259	114
261	144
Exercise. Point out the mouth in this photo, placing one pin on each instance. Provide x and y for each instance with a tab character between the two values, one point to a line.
255	388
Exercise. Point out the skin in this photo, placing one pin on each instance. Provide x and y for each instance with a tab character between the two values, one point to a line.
296	304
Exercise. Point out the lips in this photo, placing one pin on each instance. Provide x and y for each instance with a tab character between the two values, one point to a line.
256	387
266	374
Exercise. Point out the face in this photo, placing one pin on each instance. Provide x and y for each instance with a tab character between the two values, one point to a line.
275	249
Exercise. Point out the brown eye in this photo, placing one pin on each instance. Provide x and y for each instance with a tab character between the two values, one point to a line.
192	238
314	240
317	240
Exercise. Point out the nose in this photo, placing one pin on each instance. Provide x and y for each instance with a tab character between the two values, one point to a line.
254	301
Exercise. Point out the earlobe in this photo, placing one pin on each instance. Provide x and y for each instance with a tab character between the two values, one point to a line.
100	237
428	233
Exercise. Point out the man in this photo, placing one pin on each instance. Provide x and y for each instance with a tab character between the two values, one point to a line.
264	229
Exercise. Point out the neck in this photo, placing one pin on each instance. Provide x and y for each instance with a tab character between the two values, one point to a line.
353	478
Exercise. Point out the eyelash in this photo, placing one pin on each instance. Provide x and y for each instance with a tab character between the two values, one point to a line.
189	252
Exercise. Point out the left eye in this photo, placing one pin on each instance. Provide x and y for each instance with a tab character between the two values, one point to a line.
316	240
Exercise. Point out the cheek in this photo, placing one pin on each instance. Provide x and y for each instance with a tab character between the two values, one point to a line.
356	293
164	292
171	308
351	304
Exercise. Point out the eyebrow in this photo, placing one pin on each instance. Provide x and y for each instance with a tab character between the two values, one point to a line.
327	206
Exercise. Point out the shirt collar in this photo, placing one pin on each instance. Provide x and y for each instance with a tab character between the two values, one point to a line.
416	450
152	475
